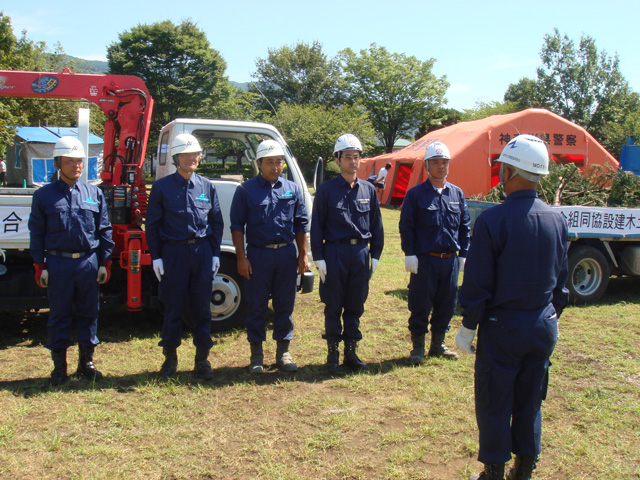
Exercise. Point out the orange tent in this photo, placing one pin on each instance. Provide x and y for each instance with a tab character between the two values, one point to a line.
476	145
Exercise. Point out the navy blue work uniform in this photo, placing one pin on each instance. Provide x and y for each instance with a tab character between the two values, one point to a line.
184	228
69	226
434	226
346	231
514	290
273	215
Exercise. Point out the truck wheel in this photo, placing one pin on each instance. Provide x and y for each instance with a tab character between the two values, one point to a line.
588	275
228	304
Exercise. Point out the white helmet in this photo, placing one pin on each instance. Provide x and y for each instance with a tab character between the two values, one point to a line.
269	148
436	150
528	154
348	141
185	143
68	147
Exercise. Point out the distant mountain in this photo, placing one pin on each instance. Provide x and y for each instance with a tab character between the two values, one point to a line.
241	86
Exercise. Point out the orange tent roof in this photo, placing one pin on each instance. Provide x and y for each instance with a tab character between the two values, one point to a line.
475	146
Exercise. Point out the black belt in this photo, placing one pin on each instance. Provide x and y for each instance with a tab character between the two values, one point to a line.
352	241
441	255
58	253
273	245
191	241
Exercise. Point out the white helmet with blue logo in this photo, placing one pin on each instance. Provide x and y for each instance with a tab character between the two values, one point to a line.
68	147
529	155
185	143
269	148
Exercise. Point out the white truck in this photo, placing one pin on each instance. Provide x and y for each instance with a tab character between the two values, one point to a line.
603	241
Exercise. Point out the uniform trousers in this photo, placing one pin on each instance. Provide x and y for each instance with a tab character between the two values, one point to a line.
435	286
345	289
275	271
187	276
511	378
72	283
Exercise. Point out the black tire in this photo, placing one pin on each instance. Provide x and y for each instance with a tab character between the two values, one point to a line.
228	304
588	275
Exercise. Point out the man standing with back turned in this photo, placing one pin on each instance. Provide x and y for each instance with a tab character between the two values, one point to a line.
514	291
347	238
434	225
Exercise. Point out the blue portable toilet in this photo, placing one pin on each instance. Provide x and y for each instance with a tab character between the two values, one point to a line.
630	157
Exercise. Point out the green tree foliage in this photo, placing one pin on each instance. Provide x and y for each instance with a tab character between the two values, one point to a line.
182	72
396	90
583	85
486	109
440	118
301	74
312	130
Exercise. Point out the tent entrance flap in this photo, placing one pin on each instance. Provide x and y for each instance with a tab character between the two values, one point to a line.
401	182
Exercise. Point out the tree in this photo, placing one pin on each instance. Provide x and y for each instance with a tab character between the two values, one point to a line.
525	94
312	130
396	90
182	72
301	74
486	109
439	118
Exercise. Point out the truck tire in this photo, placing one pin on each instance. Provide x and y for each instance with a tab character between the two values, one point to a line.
588	275
228	304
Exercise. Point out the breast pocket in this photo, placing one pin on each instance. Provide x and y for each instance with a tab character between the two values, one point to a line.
57	218
286	208
428	215
452	214
363	210
202	215
87	214
258	213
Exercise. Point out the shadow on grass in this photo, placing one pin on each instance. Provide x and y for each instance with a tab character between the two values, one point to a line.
224	377
29	328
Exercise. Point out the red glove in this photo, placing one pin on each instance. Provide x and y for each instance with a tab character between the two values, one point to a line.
107	265
41	267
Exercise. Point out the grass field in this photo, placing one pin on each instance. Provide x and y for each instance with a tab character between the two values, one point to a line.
394	422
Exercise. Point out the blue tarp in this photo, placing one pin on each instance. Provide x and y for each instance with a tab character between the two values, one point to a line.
51	134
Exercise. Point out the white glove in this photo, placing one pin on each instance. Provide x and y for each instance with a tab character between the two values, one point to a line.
102	275
461	262
4	258
158	268
321	265
464	338
374	265
44	278
215	265
411	264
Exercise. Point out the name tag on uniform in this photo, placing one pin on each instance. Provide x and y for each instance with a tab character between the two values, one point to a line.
363	200
288	194
454	203
202	198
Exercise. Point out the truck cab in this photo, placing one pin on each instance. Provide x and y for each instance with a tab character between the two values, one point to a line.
229	149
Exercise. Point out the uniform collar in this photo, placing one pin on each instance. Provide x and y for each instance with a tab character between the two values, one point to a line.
180	180
522	194
433	187
62	186
263	182
347	184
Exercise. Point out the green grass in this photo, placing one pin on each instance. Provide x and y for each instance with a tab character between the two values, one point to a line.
396	421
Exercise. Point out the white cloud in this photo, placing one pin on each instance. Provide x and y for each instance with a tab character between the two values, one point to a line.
458	87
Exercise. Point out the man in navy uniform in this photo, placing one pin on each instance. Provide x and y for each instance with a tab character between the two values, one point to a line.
184	231
434	225
272	209
347	239
514	291
71	247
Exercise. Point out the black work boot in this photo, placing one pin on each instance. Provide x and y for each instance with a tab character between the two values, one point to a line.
333	356
351	359
284	362
257	358
202	367
170	365
417	354
86	368
59	373
439	349
523	468
492	471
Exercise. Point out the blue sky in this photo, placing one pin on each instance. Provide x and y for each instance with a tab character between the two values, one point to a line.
481	47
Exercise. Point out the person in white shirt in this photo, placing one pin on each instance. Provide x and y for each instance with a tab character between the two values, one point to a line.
380	180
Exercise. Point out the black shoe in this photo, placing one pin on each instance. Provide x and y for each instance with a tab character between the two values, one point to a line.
492	471
523	468
202	368
351	359
333	356
170	365
59	373
86	368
